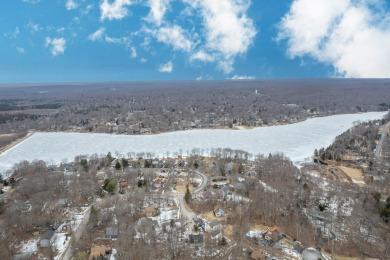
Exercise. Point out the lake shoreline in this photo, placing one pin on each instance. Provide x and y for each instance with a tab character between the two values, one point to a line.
297	141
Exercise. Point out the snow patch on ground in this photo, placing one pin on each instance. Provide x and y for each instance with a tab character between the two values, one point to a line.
267	187
255	233
166	214
29	246
60	243
113	254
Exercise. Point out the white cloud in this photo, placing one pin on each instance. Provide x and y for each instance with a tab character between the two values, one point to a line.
236	77
133	54
158	8
174	36
101	35
228	30
98	35
13	34
115	10
20	50
351	35
34	27
202	56
166	68
71	5
60	30
57	45
32	1
143	60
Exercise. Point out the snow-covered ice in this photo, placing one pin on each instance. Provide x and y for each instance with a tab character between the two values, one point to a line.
297	141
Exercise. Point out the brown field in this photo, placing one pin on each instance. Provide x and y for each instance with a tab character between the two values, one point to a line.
259	227
183	189
353	173
228	231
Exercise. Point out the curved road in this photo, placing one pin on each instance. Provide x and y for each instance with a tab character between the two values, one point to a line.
378	149
205	180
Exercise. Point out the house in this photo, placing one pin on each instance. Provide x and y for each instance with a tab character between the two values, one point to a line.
216	235
213	225
98	251
200	223
226	190
273	235
47	239
112	233
311	253
218	211
158	183
258	255
195	239
63	203
150	211
230	167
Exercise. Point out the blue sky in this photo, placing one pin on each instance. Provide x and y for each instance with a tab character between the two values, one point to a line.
137	40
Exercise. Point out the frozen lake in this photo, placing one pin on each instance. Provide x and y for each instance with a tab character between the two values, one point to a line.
297	141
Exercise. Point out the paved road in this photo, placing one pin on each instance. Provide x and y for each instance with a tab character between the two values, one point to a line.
183	210
68	252
378	149
205	180
180	197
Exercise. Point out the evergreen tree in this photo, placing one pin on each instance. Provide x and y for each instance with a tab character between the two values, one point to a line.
188	196
125	163
118	165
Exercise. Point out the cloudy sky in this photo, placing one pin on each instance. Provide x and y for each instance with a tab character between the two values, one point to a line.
131	40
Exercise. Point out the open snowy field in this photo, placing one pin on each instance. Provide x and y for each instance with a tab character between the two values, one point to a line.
297	141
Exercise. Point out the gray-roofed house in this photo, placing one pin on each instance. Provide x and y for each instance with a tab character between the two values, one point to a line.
213	225
47	239
216	235
195	239
112	233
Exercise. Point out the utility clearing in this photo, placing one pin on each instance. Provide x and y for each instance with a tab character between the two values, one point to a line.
355	174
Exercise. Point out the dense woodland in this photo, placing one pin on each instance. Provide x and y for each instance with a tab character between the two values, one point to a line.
147	107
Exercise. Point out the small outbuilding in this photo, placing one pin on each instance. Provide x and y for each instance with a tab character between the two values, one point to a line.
47	239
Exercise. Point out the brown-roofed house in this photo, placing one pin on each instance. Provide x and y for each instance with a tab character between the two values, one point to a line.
97	251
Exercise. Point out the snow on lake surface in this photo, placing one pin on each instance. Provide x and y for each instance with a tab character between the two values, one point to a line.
298	141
